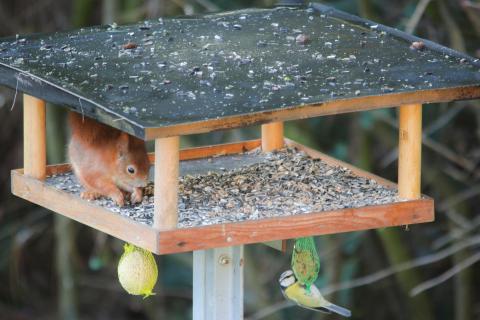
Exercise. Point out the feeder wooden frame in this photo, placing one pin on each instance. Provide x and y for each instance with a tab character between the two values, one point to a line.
164	238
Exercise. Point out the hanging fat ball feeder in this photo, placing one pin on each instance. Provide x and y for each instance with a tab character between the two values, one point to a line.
298	285
137	271
305	261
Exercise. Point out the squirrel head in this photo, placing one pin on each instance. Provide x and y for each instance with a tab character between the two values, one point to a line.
132	163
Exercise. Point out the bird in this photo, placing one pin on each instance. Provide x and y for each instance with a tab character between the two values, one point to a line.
310	299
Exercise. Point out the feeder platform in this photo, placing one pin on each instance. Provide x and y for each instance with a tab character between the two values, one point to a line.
253	230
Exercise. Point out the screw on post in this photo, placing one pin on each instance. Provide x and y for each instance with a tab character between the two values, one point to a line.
224	259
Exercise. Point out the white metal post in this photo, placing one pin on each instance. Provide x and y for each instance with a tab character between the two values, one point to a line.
218	284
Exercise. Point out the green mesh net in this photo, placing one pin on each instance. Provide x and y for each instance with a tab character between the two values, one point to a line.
305	261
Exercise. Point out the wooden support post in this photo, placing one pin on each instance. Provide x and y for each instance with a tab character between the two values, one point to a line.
272	139
34	137
218	284
410	151
272	136
166	183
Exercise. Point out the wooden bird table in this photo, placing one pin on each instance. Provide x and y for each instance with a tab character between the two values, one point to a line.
261	66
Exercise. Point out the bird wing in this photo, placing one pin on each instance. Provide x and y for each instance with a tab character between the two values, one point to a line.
298	303
322	305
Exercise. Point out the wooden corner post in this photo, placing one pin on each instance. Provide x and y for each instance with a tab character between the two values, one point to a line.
272	136
166	183
34	137
273	139
410	151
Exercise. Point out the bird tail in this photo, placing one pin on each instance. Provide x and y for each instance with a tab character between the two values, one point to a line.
338	310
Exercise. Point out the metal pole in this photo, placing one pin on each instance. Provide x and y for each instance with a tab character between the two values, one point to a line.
218	284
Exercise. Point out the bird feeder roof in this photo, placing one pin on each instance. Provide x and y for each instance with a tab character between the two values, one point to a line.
196	74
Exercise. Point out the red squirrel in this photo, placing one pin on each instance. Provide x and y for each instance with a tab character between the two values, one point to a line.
107	161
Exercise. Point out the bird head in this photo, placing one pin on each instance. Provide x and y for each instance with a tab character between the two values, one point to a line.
287	279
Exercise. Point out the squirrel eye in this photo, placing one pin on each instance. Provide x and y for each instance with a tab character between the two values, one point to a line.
131	169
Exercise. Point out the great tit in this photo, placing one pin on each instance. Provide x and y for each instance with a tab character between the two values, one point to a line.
313	299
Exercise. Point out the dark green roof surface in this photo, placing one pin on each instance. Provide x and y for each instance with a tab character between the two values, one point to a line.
171	72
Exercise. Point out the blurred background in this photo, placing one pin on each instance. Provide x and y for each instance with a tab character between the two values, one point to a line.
51	268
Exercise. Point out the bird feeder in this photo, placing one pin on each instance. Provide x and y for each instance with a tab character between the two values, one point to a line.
159	80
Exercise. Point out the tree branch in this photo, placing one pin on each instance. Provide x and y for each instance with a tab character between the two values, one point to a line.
416	16
445	276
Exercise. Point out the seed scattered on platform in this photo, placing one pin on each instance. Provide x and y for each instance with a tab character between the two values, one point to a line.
129	45
302	39
264	185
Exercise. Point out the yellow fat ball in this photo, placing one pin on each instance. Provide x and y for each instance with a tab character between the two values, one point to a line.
137	271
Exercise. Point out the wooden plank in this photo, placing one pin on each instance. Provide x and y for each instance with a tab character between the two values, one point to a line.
219	150
410	151
167	164
303	225
52	169
83	211
327	108
272	136
215	150
34	137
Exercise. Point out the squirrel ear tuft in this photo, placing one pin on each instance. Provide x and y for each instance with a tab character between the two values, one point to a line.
122	144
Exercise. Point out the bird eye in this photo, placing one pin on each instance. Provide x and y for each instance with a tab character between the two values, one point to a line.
131	169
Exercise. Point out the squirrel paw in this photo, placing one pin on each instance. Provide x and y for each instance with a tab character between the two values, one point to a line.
119	199
137	196
90	195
